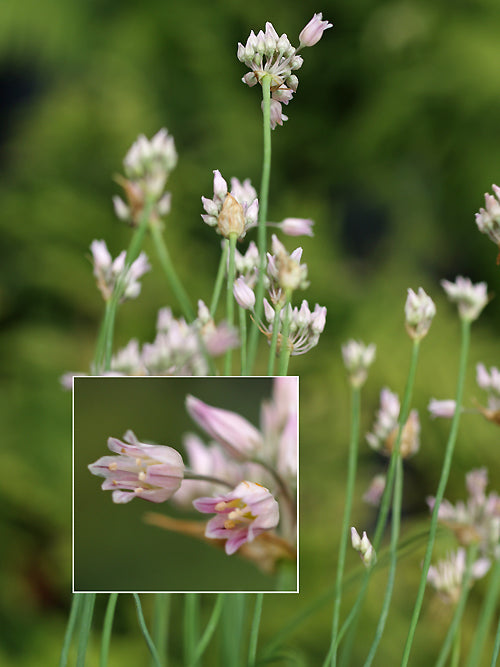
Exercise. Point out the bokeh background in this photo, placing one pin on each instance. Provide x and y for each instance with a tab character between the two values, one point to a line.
391	143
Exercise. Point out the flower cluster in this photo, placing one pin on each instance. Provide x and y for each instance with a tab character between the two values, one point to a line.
385	429
447	576
364	547
239	452
268	54
231	212
419	312
488	219
358	357
470	298
109	272
147	166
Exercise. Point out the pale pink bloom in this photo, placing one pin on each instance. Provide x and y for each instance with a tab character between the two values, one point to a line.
107	271
149	162
445	409
488	219
128	360
470	299
490	382
385	429
305	326
447	576
152	472
296	226
237	435
358	357
313	32
241	515
373	494
364	547
284	270
245	196
243	294
419	312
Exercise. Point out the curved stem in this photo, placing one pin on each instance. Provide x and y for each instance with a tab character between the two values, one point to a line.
445	472
274	340
170	272
188	474
344	536
144	630
107	627
86	622
254	632
70	628
489	604
210	628
263	200
221	272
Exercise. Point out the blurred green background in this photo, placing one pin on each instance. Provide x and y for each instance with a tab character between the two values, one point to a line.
391	143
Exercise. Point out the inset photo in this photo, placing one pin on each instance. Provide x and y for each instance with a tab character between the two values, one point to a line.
185	484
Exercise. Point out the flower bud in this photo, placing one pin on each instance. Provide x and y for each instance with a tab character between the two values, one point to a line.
419	311
243	294
231	219
314	30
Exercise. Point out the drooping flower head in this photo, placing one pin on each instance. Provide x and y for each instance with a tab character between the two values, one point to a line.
236	211
151	472
108	271
419	312
470	299
241	515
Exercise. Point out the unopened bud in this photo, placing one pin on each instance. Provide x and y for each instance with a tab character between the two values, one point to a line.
231	219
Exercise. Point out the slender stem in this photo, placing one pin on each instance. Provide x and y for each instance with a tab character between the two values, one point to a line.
101	341
263	201
344	535
107	627
254	632
243	339
233	237
455	656
232	629
170	272
160	626
445	472
221	272
274	339
396	521
496	648
210	628
86	622
188	474
285	330
144	630
457	616
76	603
489	604
191	627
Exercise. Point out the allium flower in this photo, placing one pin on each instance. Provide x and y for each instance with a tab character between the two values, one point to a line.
470	299
152	472
147	166
419	312
268	54
364	547
243	294
241	515
128	360
445	409
358	357
305	326
385	429
285	272
108	271
231	212
477	519
488	219
296	226
448	575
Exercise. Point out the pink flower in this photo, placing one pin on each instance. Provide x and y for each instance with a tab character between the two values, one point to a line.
152	472
233	432
445	409
241	515
314	30
296	226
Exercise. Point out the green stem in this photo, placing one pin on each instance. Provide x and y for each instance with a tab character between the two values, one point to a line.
445	472
344	535
487	611
254	632
221	272
191	627
101	341
107	627
160	625
263	201
86	622
496	648
210	628
396	521
285	348
274	339
233	237
457	616
145	633
387	495
455	656
170	272
233	618
243	339
76	603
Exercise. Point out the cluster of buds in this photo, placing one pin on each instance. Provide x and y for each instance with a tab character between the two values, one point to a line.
237	453
488	219
305	326
147	166
268	54
358	357
419	312
478	519
109	272
470	298
448	575
364	547
385	429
